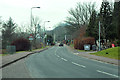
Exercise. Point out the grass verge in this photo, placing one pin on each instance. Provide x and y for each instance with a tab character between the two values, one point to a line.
39	48
112	53
84	50
72	45
3	54
21	51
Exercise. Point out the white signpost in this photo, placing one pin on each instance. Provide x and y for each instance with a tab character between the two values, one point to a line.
30	37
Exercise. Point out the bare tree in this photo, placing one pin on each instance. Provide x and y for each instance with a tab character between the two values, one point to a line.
34	28
80	14
35	22
21	31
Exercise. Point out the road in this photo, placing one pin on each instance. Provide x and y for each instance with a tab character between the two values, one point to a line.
59	62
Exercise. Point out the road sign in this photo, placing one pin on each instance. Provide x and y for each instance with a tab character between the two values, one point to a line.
30	37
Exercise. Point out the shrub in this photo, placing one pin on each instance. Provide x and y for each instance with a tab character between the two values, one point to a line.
76	43
21	44
81	40
3	51
88	40
118	42
79	43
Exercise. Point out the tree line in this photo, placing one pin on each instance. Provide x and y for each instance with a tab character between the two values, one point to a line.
86	14
11	31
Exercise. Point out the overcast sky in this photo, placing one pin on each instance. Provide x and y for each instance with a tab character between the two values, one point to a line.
53	10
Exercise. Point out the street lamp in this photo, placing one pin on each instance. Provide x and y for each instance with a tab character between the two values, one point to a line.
99	37
31	24
31	14
44	24
44	32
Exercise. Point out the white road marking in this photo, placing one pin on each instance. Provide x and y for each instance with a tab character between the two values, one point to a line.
58	56
107	73
78	64
64	59
76	53
56	50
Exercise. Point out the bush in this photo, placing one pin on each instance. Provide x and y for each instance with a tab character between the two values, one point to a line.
76	45
79	43
21	44
118	42
3	51
88	40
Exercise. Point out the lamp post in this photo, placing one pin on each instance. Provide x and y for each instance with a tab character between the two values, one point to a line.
54	36
31	26
44	24
44	32
31	14
99	37
0	23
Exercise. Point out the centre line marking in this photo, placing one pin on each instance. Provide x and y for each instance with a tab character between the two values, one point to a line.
63	59
107	73
78	64
76	53
56	50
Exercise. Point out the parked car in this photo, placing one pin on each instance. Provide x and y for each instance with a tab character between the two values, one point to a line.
61	44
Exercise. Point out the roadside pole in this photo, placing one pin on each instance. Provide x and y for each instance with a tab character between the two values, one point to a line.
65	37
30	45
99	36
30	38
45	34
54	37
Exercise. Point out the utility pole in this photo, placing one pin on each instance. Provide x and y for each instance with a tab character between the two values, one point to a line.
65	37
31	25
32	15
45	41
54	37
99	35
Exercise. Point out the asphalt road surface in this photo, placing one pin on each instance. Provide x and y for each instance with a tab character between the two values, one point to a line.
59	62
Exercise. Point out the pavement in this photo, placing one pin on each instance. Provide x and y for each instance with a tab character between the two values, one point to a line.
94	57
9	59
